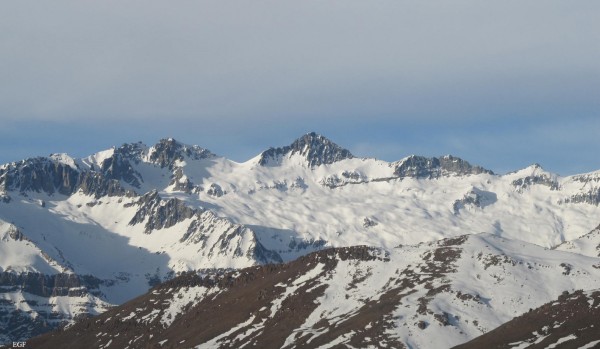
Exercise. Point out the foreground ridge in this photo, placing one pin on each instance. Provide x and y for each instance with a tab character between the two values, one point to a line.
430	295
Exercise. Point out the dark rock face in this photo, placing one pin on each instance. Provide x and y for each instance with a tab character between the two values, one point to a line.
523	183
313	244
48	176
475	198
430	168
418	167
15	234
131	151
39	175
160	213
572	321
369	222
93	183
540	179
592	197
264	255
230	239
591	178
20	325
119	167
48	285
167	151
180	182
51	176
317	150
215	190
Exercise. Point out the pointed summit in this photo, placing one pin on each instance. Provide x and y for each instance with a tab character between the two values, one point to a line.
315	148
168	150
533	175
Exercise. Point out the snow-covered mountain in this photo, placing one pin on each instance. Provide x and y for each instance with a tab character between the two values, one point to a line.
124	219
430	295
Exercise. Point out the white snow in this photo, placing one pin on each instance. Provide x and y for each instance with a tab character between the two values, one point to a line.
561	340
214	343
590	345
182	298
64	159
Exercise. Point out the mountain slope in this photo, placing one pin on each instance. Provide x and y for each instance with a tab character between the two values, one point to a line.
430	295
587	245
82	255
571	321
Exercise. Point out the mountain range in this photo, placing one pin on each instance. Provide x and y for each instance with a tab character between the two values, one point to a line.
318	245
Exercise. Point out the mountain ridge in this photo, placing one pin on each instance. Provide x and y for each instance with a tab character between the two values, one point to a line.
171	208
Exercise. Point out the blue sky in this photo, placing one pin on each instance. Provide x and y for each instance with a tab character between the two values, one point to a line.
501	84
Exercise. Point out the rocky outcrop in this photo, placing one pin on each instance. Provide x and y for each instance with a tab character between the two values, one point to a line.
475	198
119	167
35	311
50	285
95	184
369	222
159	213
44	175
344	178
218	237
167	151
537	177
316	149
591	197
431	168
524	183
215	190
39	175
181	182
14	233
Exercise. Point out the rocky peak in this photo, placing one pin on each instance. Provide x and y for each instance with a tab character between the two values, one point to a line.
119	166
422	167
167	151
55	175
315	148
535	175
131	151
39	174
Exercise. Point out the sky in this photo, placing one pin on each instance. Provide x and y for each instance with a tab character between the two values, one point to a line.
501	84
